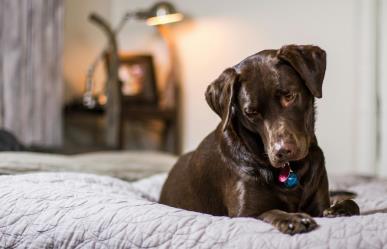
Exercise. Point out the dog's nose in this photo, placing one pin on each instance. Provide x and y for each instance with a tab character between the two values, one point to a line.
284	151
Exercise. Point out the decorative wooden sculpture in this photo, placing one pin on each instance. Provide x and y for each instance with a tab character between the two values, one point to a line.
113	105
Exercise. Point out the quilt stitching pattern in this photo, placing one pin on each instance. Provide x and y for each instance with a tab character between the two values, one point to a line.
71	210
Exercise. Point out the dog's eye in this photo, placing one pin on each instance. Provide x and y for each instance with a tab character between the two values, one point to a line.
288	98
251	112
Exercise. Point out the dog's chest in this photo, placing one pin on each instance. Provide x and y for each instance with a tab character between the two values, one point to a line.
290	198
262	197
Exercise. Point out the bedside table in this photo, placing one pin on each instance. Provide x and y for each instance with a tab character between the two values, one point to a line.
85	128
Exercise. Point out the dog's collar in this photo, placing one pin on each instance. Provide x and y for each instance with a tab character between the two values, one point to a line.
287	177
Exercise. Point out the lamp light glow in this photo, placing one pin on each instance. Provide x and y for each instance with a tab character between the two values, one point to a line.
164	19
161	13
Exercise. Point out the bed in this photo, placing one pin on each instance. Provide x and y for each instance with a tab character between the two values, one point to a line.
59	209
126	165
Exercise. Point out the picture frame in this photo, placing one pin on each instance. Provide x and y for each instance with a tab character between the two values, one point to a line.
137	79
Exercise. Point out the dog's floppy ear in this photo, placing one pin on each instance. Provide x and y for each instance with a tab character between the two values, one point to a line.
310	63
220	95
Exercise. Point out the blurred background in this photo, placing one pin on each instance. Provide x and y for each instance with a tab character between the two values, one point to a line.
145	90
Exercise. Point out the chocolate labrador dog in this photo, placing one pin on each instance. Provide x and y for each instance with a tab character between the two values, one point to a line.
263	159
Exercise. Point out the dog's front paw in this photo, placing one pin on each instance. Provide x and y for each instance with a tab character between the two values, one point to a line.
293	223
342	208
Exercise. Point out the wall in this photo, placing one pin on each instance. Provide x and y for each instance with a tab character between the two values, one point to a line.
382	86
82	42
31	83
220	35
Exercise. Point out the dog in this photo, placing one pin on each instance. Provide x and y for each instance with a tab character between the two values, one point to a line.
263	159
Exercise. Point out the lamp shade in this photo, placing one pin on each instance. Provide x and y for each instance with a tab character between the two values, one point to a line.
163	13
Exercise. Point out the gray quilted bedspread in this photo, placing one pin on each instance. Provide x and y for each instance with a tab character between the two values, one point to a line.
71	210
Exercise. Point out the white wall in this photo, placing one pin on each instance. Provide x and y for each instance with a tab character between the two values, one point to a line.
82	42
382	86
365	117
219	35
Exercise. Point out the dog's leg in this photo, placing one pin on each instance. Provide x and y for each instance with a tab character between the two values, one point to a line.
319	205
342	208
340	195
289	223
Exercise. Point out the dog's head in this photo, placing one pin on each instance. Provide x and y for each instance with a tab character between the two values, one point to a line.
272	94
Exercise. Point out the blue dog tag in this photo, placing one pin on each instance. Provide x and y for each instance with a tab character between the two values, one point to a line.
292	180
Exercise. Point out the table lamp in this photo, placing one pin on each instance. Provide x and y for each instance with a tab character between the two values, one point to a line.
157	15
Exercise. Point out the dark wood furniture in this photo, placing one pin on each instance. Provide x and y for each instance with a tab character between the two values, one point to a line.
170	136
140	109
86	129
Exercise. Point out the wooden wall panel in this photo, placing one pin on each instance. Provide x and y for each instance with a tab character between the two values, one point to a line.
31	85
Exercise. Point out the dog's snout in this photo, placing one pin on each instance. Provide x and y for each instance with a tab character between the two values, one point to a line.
284	151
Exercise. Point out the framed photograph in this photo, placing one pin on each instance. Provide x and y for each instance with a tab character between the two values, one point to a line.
137	78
